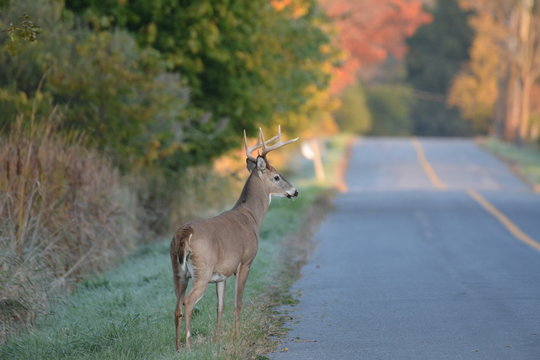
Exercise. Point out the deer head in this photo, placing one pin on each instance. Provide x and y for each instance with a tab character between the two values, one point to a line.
276	184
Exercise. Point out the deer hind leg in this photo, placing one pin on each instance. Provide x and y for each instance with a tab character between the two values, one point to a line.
200	284
220	292
241	277
180	285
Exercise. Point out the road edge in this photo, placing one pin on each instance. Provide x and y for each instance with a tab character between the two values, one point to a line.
297	247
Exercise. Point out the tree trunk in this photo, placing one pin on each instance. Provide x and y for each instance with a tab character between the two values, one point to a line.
513	107
524	126
499	115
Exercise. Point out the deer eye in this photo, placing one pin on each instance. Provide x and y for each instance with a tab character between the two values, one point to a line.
276	177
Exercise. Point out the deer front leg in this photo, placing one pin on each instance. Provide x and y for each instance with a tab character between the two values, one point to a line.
197	291
241	277
220	292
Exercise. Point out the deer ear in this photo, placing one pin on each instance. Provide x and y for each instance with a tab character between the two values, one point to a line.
250	164
261	163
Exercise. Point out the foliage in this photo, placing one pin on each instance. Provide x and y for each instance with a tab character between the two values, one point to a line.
390	107
371	31
63	213
25	30
354	115
474	89
524	159
510	29
247	64
436	53
101	83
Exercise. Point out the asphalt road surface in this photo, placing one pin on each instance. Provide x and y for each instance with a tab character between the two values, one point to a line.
433	253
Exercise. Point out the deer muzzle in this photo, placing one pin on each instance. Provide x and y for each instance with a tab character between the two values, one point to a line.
293	195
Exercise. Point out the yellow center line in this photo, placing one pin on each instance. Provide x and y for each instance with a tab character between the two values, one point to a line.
509	225
428	170
490	208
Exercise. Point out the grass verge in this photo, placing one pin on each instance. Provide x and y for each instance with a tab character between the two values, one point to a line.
525	161
128	312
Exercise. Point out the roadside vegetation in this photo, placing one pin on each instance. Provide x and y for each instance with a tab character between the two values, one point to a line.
524	160
127	312
110	126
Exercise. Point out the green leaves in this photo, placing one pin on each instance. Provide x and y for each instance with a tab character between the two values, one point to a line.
243	60
436	53
170	83
24	31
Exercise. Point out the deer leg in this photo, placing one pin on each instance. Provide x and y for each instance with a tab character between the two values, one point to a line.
180	285
220	292
196	293
241	277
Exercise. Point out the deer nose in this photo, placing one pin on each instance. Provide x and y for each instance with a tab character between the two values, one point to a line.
295	193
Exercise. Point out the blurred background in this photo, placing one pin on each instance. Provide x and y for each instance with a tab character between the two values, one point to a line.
120	119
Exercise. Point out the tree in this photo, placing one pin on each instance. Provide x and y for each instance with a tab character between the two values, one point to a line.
517	39
369	31
436	54
353	114
96	83
474	90
246	62
390	105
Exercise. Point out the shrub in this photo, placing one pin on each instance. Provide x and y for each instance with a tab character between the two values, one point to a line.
63	213
390	106
354	115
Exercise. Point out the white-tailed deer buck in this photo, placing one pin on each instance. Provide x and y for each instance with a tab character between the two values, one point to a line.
212	250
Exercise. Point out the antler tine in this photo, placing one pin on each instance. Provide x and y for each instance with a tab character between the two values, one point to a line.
249	150
269	141
277	145
261	138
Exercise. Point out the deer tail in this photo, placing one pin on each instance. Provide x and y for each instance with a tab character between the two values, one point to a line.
178	250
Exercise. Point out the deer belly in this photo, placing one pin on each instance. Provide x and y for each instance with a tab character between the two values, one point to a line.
216	277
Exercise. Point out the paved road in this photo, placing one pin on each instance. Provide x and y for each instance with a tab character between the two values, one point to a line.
410	266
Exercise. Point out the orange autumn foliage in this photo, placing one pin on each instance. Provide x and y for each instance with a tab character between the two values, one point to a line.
371	30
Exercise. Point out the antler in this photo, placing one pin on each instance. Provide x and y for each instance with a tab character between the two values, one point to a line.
249	150
277	145
261	143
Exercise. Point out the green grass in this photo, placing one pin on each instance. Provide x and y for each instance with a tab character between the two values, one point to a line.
526	160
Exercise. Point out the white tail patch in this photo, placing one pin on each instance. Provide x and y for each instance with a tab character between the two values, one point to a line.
190	267
185	259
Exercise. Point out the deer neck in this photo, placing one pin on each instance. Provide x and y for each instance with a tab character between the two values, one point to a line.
254	197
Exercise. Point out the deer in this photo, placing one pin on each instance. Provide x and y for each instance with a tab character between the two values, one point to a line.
212	250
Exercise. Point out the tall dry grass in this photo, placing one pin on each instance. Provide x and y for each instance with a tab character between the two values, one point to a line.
63	213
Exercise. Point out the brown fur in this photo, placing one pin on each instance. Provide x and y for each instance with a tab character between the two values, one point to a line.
223	246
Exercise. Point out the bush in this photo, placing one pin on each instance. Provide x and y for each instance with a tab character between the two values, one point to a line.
63	213
390	107
354	115
118	94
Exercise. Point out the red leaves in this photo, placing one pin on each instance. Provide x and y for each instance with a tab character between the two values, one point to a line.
370	30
